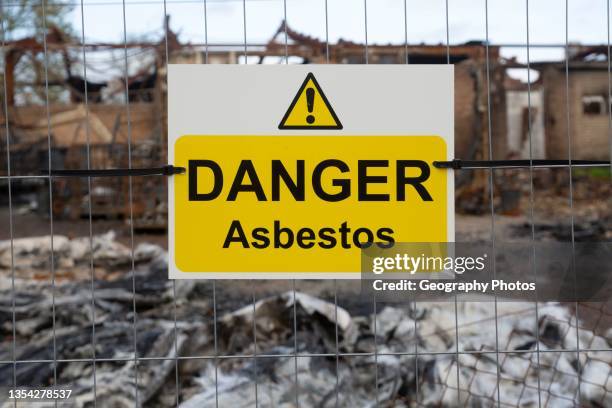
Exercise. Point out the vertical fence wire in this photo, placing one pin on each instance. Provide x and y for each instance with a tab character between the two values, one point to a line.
10	209
337	387
295	330
491	188
50	185
374	311
609	83
89	206
205	4
216	346
532	206
130	201
285	30
365	20
414	303
326	34
337	390
214	281
174	307
448	61
609	104
255	345
244	26
571	190
176	366
295	346
406	30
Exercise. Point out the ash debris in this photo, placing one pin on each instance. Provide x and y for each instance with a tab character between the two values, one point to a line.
381	361
400	356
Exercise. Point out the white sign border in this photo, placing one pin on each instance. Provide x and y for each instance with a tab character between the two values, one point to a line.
183	81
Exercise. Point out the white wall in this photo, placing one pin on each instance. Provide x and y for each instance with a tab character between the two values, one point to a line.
516	102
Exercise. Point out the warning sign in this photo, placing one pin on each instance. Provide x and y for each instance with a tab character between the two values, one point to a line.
310	109
300	198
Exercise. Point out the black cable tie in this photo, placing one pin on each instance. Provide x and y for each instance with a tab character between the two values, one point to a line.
167	170
458	164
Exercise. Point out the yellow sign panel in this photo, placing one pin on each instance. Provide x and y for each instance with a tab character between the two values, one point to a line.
310	109
302	204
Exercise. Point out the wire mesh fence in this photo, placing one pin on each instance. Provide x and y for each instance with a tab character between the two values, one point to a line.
138	339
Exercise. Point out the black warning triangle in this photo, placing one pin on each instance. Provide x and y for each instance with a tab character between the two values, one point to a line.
310	109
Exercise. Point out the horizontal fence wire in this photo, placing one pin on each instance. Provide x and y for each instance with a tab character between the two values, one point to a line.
304	355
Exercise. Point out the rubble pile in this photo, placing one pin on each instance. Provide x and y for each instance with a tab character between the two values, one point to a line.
400	355
590	210
72	258
589	200
397	368
591	231
112	311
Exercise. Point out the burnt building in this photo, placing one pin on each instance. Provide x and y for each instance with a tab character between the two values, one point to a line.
584	82
470	63
102	128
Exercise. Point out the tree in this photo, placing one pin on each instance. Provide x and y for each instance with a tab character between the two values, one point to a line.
24	19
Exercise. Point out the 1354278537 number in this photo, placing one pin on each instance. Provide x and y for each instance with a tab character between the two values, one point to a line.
39	393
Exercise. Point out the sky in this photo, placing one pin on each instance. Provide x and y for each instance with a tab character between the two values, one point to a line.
385	20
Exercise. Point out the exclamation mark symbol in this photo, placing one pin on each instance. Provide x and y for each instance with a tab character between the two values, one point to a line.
310	93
